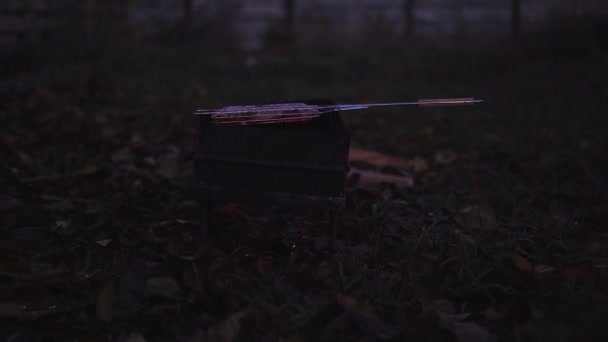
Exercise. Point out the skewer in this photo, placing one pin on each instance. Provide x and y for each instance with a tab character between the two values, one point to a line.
295	112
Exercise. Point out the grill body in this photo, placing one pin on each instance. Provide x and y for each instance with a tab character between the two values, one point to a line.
293	164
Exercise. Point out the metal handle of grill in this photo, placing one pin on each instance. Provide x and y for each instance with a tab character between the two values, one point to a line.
465	101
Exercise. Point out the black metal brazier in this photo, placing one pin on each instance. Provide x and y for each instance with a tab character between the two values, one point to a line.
287	164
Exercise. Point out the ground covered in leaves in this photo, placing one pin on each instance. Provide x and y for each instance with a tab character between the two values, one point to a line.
495	228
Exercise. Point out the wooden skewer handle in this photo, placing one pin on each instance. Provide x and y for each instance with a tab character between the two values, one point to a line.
466	101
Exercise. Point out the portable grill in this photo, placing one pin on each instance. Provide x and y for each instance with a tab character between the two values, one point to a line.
302	163
284	154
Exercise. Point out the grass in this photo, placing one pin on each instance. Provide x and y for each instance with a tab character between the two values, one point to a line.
109	152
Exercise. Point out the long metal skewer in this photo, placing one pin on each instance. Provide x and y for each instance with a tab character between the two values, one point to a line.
293	112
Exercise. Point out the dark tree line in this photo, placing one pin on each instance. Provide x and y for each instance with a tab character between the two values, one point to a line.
408	9
289	9
515	18
409	21
111	18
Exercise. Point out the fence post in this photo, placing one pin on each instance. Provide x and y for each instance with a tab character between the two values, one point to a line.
119	29
186	16
289	8
408	14
515	18
90	8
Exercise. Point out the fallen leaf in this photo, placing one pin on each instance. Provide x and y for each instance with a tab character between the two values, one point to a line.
490	314
163	287
360	250
8	202
63	224
335	328
443	310
61	205
602	271
133	284
11	142
419	165
521	263
104	243
21	312
296	338
345	301
378	159
228	329
190	329
469	332
13	264
12	309
374	181
88	169
123	155
167	165
575	273
593	247
450	319
233	211
135	337
365	318
105	302
445	157
543	269
477	217
213	271
323	274
264	263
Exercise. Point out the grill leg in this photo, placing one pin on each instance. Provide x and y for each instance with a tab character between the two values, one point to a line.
205	207
333	225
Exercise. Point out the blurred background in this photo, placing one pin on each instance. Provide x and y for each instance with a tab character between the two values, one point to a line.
539	64
255	24
384	34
